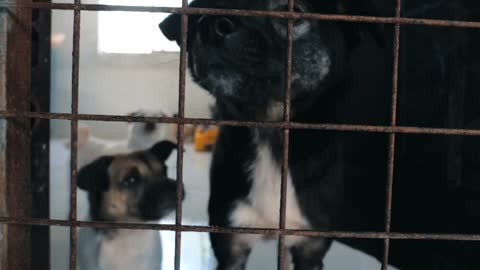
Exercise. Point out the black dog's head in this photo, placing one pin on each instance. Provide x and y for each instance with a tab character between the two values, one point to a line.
242	59
131	187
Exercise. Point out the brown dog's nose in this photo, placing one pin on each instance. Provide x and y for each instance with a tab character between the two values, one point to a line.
223	27
149	127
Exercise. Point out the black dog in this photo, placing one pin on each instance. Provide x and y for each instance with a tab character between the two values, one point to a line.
341	74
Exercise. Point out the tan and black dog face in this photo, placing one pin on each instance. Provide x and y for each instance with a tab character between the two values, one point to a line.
131	187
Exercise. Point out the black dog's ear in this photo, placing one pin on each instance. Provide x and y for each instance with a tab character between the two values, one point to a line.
163	149
170	28
365	7
94	176
358	33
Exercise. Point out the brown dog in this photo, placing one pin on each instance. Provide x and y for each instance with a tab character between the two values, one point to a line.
126	188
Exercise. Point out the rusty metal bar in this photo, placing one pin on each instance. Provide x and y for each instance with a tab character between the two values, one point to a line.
282	262
251	13
19	194
180	136
391	150
265	124
73	137
234	230
3	136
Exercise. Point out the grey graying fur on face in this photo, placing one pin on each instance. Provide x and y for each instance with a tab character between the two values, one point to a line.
298	30
310	67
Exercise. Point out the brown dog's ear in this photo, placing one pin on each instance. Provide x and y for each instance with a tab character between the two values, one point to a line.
94	176
136	113
163	149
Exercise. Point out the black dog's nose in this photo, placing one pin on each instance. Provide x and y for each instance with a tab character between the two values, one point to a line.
223	27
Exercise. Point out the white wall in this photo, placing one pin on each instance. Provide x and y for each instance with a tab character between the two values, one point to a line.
115	83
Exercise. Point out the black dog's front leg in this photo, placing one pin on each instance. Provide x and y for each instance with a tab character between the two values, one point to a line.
309	254
229	183
232	251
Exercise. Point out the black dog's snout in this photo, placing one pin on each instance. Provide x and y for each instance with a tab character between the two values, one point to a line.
223	27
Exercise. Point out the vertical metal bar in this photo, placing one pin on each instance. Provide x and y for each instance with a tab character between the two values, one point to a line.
73	138
19	195
3	136
180	135
391	151
282	262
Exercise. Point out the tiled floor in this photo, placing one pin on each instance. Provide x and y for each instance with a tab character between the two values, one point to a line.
196	251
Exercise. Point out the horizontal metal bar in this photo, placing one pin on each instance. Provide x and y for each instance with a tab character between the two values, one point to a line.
250	13
289	125
188	228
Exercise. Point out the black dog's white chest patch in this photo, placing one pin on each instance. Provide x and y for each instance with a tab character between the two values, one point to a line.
261	208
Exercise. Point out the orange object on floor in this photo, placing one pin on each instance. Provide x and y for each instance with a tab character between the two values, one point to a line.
204	138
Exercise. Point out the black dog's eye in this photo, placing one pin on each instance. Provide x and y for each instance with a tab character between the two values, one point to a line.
296	8
132	179
299	9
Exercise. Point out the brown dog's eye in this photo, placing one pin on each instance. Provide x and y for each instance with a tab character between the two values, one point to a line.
131	180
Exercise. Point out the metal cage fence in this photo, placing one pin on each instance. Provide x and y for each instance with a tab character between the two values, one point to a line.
77	7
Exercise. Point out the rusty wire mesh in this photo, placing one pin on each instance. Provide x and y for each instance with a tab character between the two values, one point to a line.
286	125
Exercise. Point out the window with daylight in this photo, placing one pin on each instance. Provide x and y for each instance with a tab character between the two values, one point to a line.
133	32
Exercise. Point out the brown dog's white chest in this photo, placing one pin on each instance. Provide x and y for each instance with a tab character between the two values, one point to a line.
130	249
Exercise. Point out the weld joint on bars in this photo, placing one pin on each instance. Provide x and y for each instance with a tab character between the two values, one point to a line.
237	12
